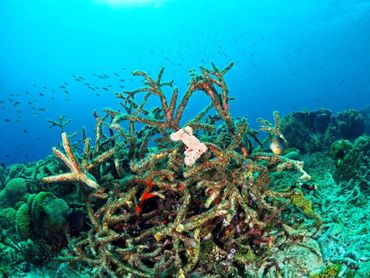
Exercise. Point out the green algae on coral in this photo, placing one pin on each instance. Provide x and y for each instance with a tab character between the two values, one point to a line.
330	271
298	200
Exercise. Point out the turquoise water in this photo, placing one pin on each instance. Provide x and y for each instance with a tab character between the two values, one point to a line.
184	138
289	56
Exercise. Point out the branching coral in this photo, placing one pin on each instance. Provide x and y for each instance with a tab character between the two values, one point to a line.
154	214
79	173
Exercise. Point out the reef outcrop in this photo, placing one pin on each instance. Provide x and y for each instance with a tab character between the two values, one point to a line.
316	131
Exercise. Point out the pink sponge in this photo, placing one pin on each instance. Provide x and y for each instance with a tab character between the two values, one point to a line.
194	148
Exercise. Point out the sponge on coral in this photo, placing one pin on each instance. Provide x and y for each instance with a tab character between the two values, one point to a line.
194	148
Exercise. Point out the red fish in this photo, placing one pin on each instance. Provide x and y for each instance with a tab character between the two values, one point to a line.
146	195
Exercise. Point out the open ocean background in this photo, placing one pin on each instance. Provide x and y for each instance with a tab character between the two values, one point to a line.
289	56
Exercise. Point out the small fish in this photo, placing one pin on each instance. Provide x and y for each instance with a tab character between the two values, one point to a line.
146	195
103	76
6	120
116	74
41	94
277	145
42	109
25	131
309	187
213	119
244	151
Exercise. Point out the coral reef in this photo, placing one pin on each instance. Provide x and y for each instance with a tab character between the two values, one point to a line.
151	213
153	195
43	216
348	124
304	130
315	131
13	192
365	113
352	163
344	208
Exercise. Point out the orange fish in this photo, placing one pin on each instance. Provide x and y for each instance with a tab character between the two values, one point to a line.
146	195
244	151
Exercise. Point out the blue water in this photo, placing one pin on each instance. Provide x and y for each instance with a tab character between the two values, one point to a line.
289	56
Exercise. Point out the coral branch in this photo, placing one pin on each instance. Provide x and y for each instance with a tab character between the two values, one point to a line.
77	174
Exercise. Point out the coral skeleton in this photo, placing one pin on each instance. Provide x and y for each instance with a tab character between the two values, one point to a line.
78	173
153	213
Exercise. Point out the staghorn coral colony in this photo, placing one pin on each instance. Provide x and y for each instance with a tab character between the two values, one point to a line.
155	196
